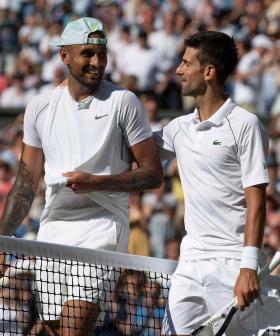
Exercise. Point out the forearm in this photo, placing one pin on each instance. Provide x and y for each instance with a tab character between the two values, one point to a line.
254	228
18	202
256	213
135	180
147	175
138	179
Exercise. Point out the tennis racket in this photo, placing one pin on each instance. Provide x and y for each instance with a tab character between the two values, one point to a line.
217	324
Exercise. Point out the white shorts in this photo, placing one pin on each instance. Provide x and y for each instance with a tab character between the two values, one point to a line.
61	281
202	287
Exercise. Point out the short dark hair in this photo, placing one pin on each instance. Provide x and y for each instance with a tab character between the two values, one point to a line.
217	49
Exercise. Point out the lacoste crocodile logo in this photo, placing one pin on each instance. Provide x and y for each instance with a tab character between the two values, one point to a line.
216	142
100	116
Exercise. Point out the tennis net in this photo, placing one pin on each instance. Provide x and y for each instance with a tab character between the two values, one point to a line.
131	291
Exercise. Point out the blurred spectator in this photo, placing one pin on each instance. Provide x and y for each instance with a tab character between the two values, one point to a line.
29	70
151	106
177	191
30	35
58	78
17	303
9	45
8	132
155	306
248	74
268	84
130	82
165	42
122	315
116	47
6	182
16	95
273	189
172	250
51	69
159	210
141	53
139	241
13	152
10	312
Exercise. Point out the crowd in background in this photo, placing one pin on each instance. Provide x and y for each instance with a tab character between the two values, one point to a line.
146	42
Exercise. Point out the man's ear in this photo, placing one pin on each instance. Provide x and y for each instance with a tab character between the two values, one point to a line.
209	72
64	55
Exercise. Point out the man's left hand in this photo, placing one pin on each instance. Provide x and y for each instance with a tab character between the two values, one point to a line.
247	287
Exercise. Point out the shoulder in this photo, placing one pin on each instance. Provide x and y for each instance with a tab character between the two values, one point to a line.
38	104
180	122
40	101
246	125
107	88
241	116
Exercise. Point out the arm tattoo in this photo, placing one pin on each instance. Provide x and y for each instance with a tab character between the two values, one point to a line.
19	201
135	180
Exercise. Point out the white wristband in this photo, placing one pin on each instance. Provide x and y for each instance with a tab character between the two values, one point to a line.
250	258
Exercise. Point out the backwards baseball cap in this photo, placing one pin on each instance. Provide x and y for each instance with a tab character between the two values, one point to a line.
77	32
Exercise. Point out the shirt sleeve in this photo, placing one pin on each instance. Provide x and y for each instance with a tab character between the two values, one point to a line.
254	154
33	110
165	137
134	120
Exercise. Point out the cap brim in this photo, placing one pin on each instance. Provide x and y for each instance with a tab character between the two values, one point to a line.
55	43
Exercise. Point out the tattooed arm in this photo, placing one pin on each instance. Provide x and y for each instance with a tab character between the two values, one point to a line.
22	194
24	189
147	175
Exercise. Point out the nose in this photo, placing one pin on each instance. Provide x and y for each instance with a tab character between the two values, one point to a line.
94	60
179	70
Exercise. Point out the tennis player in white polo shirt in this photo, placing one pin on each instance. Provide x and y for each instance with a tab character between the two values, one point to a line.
221	151
85	135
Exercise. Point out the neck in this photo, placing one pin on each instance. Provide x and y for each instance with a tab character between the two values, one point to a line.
209	103
79	92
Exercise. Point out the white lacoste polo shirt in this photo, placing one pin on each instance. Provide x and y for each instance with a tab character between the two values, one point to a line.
217	159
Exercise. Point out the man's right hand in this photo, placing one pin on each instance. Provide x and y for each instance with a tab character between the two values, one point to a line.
247	287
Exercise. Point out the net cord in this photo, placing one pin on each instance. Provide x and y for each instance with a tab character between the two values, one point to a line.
86	255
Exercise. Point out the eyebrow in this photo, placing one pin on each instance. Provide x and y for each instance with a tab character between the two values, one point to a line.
185	60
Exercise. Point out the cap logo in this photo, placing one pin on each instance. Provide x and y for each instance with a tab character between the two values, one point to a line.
94	27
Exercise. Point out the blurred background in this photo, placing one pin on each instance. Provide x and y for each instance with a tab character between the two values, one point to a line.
146	42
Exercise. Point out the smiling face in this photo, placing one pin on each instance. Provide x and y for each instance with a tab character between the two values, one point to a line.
191	74
86	63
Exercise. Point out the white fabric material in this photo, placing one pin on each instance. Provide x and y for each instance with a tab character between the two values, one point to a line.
58	282
201	288
94	140
216	159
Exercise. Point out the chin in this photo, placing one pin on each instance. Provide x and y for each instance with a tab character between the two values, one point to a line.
92	83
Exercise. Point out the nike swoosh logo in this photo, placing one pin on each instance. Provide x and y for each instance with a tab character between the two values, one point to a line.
101	116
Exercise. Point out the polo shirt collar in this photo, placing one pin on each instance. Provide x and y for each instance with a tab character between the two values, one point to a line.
217	118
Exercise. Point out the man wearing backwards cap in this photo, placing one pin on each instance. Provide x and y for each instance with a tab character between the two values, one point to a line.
86	136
